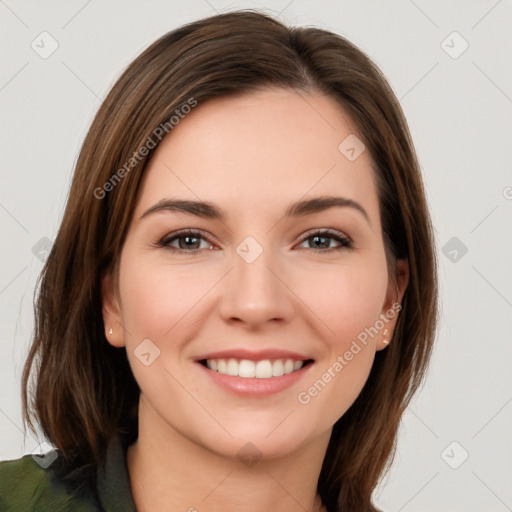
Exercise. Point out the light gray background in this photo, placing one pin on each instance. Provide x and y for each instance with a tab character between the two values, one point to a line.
459	112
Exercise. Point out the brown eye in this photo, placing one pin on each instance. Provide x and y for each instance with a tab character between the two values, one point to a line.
187	241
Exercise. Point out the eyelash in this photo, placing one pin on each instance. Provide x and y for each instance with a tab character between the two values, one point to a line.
345	242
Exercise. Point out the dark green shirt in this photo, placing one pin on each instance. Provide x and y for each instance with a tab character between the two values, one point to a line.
25	486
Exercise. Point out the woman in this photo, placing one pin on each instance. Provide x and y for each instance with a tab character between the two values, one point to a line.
242	296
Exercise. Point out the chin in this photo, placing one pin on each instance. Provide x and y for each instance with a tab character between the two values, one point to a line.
260	439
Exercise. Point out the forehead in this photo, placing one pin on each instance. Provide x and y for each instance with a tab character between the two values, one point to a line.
268	147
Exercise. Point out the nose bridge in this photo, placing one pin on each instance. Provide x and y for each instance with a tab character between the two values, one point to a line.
256	293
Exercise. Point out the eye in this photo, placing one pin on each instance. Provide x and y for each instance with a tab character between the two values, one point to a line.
187	241
321	241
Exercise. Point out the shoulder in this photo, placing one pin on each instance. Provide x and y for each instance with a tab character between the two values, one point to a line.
30	485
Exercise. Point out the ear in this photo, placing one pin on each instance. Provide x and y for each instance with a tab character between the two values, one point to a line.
112	317
393	304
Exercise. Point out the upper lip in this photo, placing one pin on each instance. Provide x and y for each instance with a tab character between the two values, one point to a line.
251	355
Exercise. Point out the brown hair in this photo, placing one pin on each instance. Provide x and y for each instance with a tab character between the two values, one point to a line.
84	389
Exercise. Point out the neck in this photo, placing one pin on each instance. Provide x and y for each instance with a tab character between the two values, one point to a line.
171	472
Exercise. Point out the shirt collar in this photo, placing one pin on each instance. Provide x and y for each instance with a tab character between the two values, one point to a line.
113	482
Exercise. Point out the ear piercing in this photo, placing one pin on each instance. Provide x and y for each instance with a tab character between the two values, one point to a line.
385	334
110	331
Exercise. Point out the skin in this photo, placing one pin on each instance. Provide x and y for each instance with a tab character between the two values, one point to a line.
252	156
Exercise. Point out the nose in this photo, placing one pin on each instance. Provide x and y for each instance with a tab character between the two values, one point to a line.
256	292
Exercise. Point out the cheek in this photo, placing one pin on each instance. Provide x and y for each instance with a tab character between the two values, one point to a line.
159	303
347	300
158	298
335	386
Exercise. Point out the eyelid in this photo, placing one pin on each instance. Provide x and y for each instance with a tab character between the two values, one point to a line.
345	242
343	239
328	231
165	240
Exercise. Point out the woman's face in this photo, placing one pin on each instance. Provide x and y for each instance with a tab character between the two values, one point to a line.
289	284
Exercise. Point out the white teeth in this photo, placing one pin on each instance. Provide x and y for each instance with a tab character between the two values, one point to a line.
221	366
264	369
249	369
232	367
277	368
246	369
288	366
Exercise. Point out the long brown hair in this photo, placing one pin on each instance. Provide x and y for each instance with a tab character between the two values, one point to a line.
84	391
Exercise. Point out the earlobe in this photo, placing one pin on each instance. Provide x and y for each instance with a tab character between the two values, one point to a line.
112	318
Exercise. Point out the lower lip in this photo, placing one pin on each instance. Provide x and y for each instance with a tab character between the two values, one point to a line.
253	386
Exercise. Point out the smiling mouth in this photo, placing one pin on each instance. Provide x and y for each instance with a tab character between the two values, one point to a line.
247	369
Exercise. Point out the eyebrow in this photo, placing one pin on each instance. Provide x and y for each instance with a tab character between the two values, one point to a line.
297	209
